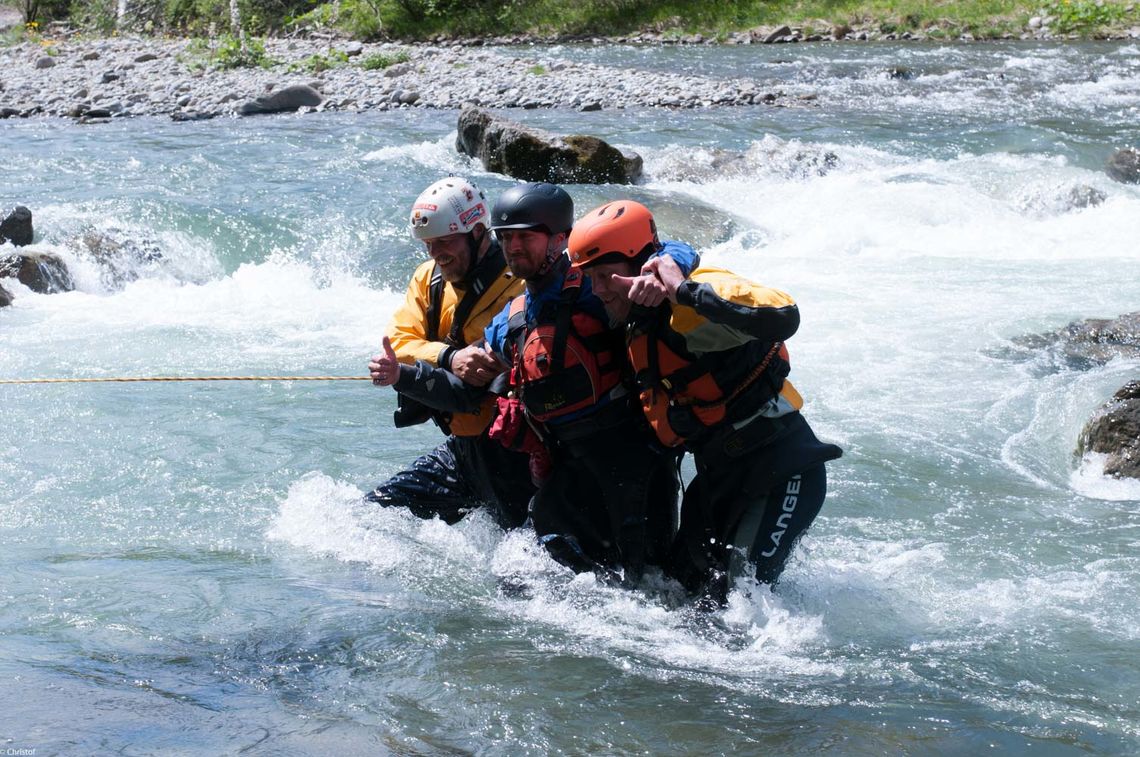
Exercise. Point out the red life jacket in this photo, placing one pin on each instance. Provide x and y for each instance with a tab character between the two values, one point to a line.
567	361
684	395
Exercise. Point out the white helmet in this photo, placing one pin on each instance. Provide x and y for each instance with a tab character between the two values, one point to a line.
450	206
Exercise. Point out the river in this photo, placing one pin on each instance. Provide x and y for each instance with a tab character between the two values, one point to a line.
189	568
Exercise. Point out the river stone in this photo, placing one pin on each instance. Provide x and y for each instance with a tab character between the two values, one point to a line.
779	34
119	257
285	100
17	227
5	298
45	62
1115	431
1124	166
39	271
531	154
1084	344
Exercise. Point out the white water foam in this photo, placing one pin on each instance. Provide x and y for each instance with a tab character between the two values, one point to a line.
438	155
1090	480
757	636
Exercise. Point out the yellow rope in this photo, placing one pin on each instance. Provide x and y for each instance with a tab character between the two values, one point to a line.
182	378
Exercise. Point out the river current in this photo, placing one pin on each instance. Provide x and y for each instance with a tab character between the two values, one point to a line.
189	568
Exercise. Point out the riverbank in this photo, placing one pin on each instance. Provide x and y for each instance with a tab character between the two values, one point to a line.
94	78
128	76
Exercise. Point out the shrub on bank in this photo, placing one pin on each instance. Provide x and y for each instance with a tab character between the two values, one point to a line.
421	19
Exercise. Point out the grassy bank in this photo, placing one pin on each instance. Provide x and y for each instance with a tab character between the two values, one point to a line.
426	19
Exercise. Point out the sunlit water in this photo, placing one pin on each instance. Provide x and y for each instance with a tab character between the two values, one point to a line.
189	566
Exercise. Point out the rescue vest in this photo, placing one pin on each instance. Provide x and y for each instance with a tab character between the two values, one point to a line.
410	412
565	362
683	395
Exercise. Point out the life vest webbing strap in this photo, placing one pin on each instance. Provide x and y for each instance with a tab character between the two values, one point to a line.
435	304
487	270
750	379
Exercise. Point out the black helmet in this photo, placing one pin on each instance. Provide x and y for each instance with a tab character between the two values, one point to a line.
536	204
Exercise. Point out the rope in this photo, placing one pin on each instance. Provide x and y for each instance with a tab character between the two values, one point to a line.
181	378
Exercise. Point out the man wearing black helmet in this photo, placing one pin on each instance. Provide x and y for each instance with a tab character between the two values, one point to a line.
450	300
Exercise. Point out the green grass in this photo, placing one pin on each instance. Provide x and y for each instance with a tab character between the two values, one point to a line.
225	53
380	60
423	19
419	19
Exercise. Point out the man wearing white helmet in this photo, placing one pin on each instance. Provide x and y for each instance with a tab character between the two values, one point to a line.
450	300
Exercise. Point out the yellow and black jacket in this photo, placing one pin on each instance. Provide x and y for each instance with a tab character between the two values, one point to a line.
424	328
715	358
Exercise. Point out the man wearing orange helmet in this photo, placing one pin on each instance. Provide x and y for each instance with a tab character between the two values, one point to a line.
450	300
711	366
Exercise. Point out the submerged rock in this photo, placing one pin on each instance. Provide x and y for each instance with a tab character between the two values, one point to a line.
39	271
1084	344
284	100
1124	166
770	155
120	261
17	227
1115	431
5	298
531	154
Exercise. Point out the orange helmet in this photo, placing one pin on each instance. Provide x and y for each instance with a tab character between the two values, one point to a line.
619	230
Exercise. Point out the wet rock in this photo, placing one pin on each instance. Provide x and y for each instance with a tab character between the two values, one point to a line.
39	271
284	100
603	161
17	227
1115	431
191	115
108	77
120	258
1124	166
533	154
9	112
1089	343
770	155
5	298
901	72
145	57
778	35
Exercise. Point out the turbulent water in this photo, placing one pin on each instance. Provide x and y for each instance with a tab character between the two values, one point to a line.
189	567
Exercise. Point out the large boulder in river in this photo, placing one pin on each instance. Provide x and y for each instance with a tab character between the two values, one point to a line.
283	100
1124	166
531	154
5	298
39	271
17	227
1115	431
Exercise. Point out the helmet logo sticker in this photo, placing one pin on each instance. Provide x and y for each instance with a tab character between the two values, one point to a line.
453	226
425	206
471	215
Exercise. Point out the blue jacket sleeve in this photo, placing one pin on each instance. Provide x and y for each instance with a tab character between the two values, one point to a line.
496	332
686	258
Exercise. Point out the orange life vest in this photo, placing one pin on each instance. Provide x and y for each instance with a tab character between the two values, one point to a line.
565	362
683	395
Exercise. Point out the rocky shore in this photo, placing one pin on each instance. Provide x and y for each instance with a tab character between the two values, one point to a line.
124	76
